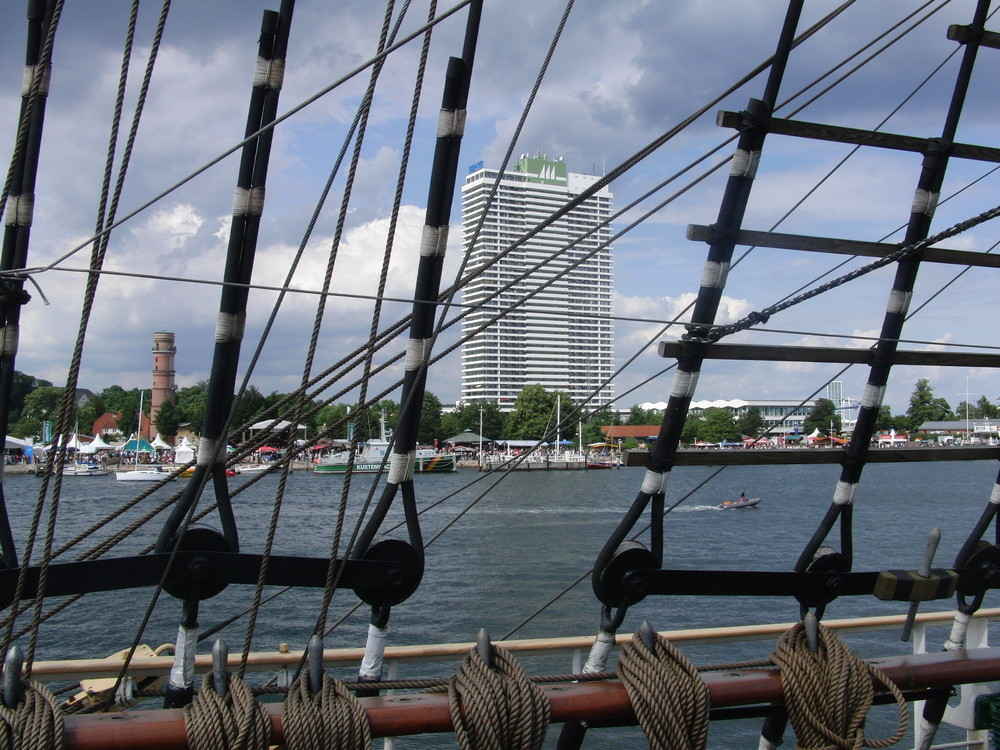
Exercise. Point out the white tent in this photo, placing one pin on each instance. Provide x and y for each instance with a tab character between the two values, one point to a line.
97	444
184	452
160	444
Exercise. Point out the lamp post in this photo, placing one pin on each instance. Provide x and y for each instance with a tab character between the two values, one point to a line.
480	435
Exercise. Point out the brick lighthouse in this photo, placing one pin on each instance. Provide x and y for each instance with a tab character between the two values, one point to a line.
163	372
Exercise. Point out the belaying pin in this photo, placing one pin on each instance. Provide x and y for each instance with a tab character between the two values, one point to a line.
933	538
13	692
811	625
315	665
648	636
484	647
220	667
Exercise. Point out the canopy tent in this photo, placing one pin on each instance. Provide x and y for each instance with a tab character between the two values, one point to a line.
13	443
98	444
139	445
468	438
73	443
160	444
184	452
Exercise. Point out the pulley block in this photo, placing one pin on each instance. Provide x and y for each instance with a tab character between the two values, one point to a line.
612	587
404	577
195	577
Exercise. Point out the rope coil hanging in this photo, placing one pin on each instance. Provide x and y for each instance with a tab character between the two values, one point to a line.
233	720
829	692
36	723
669	698
331	718
495	706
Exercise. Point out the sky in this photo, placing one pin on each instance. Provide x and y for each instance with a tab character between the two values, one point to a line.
623	74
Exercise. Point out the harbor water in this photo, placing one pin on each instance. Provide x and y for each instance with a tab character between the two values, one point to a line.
496	558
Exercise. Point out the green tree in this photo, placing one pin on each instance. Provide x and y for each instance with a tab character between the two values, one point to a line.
751	423
821	417
331	415
43	403
248	408
21	386
884	420
638	416
27	427
533	417
191	401
924	407
603	417
719	425
429	429
169	418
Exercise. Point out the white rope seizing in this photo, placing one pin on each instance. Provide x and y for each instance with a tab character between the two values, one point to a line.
872	396
655	483
268	74
684	383
401	467
434	241
899	301
229	327
744	163
714	275
844	494
451	122
597	661
371	664
417	352
20	210
995	494
248	201
959	627
924	202
28	79
182	672
208	449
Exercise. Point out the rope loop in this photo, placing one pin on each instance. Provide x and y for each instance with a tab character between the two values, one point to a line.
36	723
829	692
669	698
233	720
496	707
331	719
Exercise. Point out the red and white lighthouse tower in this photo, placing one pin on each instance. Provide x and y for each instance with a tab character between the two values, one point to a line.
163	372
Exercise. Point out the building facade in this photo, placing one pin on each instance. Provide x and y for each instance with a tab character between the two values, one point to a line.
780	417
562	338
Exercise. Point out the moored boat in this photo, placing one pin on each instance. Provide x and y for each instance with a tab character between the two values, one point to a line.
194	562
80	469
371	458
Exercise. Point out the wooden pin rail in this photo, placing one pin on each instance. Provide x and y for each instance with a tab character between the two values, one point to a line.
399	715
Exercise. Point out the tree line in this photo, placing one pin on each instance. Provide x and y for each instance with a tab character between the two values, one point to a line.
533	417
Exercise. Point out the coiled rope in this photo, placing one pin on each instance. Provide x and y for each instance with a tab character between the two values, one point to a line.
829	692
331	719
235	720
669	698
36	723
496	707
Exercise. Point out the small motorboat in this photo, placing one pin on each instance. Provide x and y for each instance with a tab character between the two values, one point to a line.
743	502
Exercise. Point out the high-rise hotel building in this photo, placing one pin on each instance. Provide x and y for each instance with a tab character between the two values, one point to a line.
562	337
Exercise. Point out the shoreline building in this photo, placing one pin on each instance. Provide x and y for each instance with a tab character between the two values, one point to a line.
562	338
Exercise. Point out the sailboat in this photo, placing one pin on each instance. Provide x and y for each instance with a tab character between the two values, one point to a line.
136	443
191	542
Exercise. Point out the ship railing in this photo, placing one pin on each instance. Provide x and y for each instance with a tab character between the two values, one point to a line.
404	661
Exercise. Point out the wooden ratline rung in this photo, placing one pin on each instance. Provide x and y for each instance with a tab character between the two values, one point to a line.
832	355
840	134
800	457
702	233
963	34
